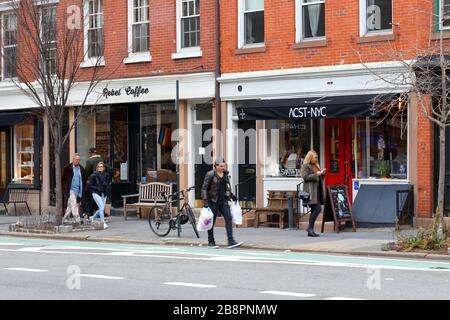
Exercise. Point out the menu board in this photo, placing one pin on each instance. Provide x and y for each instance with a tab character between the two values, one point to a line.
337	208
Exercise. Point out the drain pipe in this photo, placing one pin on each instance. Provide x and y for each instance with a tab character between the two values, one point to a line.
217	70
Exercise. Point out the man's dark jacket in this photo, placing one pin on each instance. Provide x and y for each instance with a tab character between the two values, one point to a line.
67	176
210	188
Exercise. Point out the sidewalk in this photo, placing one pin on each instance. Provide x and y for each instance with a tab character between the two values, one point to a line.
362	242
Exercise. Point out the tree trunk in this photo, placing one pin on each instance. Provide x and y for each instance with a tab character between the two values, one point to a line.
56	134
441	183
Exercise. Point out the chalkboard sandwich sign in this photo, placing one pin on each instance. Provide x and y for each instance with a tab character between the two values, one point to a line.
337	207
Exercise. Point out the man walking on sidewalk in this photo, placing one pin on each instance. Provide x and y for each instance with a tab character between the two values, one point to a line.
216	192
73	182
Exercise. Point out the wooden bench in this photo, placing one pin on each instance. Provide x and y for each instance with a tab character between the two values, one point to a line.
149	196
14	195
277	206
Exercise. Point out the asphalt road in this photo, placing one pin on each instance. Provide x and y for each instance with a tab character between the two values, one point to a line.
46	269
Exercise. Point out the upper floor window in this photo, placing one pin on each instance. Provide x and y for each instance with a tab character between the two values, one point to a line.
312	19
48	34
444	14
140	26
94	28
252	22
376	16
9	45
190	23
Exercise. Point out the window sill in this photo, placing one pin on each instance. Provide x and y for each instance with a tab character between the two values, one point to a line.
375	38
187	54
138	58
310	44
437	35
93	62
247	50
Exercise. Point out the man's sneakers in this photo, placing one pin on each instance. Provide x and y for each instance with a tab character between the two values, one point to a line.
212	245
233	244
105	226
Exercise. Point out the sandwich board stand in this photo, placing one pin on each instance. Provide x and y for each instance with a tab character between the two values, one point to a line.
337	207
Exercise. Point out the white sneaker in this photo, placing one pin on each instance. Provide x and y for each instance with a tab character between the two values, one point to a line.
105	226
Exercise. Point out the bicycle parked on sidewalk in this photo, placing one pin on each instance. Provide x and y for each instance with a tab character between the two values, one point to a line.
161	219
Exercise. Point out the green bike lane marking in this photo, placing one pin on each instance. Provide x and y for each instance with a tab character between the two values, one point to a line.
246	255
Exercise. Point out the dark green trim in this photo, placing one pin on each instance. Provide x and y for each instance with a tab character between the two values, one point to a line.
436	15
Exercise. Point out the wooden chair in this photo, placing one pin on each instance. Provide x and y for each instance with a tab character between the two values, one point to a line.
149	196
277	205
14	195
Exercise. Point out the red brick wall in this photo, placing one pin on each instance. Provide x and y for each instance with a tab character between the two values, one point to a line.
342	31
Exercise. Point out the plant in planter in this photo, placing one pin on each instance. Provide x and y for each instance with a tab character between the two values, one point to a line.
383	169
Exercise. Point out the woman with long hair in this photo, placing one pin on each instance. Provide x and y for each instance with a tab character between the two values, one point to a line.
313	183
99	181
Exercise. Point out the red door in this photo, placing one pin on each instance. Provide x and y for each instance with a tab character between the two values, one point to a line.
340	152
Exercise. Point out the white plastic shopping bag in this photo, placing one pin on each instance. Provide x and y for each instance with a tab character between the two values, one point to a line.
206	219
236	212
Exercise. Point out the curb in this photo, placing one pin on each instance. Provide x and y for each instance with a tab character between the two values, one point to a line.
385	254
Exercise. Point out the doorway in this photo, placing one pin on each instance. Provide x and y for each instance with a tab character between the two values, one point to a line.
340	154
247	163
5	165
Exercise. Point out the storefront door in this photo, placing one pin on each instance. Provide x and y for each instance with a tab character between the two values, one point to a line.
340	153
5	171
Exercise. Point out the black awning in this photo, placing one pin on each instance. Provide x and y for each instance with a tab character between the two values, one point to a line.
12	118
309	108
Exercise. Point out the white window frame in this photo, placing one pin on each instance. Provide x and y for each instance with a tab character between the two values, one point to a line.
363	21
136	57
241	27
2	29
189	52
299	20
90	61
441	20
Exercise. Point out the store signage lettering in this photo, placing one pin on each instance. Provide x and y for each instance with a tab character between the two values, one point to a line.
129	91
307	112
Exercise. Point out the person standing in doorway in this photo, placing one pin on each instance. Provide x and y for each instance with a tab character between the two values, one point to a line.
93	161
313	183
73	184
216	192
98	183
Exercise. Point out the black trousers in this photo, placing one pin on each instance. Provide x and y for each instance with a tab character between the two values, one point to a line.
315	211
224	208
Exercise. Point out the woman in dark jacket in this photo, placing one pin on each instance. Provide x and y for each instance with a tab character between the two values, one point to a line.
216	192
98	183
313	183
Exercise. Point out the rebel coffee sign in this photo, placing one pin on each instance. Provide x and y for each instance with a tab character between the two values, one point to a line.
135	92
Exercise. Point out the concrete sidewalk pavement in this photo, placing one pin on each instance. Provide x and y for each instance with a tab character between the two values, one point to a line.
134	230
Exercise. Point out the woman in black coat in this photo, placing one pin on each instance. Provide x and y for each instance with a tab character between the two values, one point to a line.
98	185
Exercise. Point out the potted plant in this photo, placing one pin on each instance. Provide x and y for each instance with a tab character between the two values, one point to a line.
384	169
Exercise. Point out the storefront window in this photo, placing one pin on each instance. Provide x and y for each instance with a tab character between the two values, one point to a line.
24	152
294	140
158	122
384	148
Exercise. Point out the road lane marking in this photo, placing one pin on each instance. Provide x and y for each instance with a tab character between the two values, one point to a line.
26	269
292	294
187	284
99	276
343	298
31	249
389	279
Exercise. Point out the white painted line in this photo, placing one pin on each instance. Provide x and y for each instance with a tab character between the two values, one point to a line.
187	284
128	254
99	276
292	294
389	279
26	269
31	249
343	298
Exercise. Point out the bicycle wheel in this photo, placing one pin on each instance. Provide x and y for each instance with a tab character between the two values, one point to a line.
159	220
192	220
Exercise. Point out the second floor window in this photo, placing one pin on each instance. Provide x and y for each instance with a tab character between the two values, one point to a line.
95	28
140	26
190	23
444	9
48	34
378	15
9	46
253	21
313	19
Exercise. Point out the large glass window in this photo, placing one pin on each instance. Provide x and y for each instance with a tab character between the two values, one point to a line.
190	23
140	26
288	142
158	122
378	15
384	148
24	152
253	21
95	28
313	19
9	46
